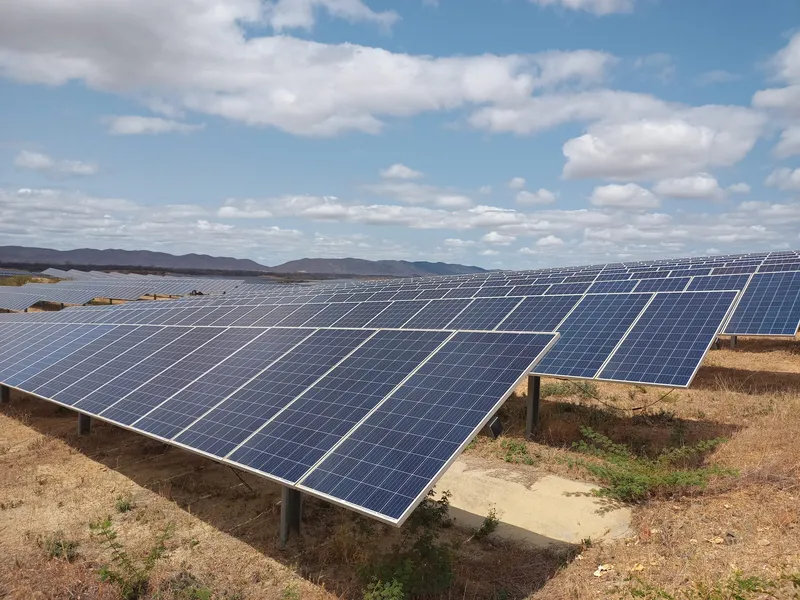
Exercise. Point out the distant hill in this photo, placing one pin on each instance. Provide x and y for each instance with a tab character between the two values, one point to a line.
371	268
87	258
120	258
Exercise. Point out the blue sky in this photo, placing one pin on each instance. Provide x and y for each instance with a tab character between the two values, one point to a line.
502	133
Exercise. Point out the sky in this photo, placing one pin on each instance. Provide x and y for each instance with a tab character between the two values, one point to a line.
500	133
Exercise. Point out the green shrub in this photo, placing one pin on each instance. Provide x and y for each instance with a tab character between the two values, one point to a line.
379	590
584	389
516	451
420	564
631	478
488	527
132	579
124	504
56	546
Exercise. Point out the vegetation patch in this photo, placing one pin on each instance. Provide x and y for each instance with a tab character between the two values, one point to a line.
57	546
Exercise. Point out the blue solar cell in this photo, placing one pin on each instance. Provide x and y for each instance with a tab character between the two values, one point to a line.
362	314
613	276
330	314
718	282
182	409
274	315
299	436
390	460
668	284
484	313
462	292
539	313
240	415
437	314
98	398
429	294
610	287
301	314
568	288
256	314
39	348
397	314
733	270
529	290
173	378
780	266
590	333
668	342
649	274
493	291
769	306
581	278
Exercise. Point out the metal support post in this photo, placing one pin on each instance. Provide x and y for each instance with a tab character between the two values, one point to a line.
5	394
733	341
291	512
532	417
84	424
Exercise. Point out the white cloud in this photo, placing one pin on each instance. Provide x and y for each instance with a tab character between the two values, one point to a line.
785	67
540	196
789	144
786	63
42	162
489	252
500	239
549	241
784	179
739	188
701	186
410	192
459	243
399	171
485	189
206	56
597	7
300	14
624	196
716	76
136	125
516	183
689	141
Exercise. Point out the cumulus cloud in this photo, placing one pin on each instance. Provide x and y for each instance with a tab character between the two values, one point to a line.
789	144
301	14
549	241
784	179
701	186
410	192
136	125
624	196
37	161
739	188
716	76
540	196
516	183
597	7
688	141
400	171
785	67
203	56
501	239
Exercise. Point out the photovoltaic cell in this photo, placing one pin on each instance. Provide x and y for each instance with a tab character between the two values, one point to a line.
361	314
769	306
240	415
299	436
668	342
437	314
718	282
568	288
539	313
590	333
668	284
608	287
396	314
390	459
484	313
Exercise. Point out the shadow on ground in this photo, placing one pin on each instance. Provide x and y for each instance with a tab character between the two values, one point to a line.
334	542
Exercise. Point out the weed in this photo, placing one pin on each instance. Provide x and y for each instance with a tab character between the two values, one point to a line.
124	504
183	585
378	590
132	579
55	546
488	527
420	563
569	388
630	478
516	452
290	592
736	587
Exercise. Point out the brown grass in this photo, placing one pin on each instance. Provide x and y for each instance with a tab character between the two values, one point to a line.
51	481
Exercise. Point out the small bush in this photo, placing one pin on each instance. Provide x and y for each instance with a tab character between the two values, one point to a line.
488	527
132	579
583	389
420	564
290	592
516	451
56	546
378	590
124	504
736	587
630	478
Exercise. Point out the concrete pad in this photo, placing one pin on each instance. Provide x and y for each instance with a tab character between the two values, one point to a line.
550	510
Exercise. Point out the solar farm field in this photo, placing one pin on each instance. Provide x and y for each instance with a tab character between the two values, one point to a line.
738	533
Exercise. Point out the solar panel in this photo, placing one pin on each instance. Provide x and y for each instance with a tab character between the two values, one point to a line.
719	282
590	334
484	313
608	287
769	306
669	284
437	314
668	342
385	466
539	313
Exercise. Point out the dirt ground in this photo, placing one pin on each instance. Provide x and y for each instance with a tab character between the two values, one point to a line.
54	483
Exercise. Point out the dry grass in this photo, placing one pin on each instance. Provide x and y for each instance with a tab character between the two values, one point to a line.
52	481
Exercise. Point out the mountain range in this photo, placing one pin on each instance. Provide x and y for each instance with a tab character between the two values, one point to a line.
144	259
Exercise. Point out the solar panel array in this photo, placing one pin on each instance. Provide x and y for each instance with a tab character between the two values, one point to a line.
363	393
117	286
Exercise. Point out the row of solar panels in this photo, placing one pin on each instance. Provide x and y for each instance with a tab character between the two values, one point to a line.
365	418
596	328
